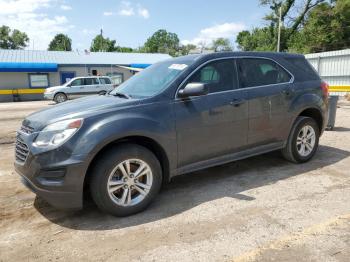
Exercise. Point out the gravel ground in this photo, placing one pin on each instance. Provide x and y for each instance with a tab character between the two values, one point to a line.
258	209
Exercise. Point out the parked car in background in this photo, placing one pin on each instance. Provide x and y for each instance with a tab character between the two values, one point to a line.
175	117
78	87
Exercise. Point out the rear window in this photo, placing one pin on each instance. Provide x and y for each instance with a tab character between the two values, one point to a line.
105	81
261	72
304	66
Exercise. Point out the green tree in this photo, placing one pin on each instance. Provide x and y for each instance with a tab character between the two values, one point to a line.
162	42
222	44
185	49
294	13
12	39
102	44
60	42
327	28
123	49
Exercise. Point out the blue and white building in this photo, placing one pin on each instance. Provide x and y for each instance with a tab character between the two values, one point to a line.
24	74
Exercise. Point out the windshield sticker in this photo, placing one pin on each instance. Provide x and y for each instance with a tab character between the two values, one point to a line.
178	66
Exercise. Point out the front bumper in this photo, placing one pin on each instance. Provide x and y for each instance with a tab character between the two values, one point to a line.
55	176
49	96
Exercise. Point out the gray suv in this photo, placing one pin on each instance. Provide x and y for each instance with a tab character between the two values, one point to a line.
175	117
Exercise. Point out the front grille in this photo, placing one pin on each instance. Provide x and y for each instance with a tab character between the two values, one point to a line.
21	151
27	129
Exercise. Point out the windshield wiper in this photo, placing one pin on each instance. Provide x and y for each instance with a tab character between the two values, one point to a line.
120	95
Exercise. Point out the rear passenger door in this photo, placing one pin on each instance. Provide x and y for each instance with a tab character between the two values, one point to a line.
269	91
91	86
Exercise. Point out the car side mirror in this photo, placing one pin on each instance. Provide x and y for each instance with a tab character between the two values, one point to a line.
193	89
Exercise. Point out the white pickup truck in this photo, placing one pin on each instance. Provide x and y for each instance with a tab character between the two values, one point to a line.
78	87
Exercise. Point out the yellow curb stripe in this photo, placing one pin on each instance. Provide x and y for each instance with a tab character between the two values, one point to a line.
294	237
339	88
21	91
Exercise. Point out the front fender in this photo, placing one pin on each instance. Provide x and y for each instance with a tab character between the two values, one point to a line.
114	127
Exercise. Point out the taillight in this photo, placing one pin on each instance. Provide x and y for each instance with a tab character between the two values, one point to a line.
325	89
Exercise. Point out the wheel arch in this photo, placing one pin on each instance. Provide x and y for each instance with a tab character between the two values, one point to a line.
144	141
315	114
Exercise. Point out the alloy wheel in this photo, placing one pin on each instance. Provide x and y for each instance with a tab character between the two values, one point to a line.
130	182
306	140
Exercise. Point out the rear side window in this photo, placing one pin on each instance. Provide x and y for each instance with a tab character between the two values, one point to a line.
303	65
105	81
218	75
260	72
91	81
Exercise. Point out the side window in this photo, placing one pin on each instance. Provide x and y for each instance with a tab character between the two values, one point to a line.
91	81
105	81
77	82
218	75
260	72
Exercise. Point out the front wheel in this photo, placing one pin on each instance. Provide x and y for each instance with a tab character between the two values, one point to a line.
60	98
125	180
303	140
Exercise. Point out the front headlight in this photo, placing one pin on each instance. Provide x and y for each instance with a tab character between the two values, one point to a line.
48	91
56	134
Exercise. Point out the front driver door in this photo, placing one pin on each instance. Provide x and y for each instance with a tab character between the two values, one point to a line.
75	88
212	125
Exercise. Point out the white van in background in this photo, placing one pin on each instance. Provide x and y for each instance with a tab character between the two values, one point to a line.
78	87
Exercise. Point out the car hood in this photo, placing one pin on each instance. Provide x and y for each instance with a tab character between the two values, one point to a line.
53	88
78	108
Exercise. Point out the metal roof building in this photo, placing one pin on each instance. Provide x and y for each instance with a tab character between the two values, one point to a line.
26	73
334	68
77	58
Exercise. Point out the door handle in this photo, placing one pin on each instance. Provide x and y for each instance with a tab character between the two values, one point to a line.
237	102
286	92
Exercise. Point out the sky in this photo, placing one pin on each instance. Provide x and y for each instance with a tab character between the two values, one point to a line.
130	23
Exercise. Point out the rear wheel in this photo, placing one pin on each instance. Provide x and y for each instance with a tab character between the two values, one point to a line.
303	140
125	180
60	98
102	93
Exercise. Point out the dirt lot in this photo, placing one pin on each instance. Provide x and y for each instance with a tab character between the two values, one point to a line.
259	209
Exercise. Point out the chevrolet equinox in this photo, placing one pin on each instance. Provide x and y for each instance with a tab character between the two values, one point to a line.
175	117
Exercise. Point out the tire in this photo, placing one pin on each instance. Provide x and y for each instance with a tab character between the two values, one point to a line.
60	98
108	170
102	93
293	150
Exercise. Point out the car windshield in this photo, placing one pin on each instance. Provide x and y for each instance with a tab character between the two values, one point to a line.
152	80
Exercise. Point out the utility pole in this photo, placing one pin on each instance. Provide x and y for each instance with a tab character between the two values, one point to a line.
279	28
101	45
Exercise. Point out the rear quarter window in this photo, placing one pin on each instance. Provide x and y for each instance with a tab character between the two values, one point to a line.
261	72
303	67
105	81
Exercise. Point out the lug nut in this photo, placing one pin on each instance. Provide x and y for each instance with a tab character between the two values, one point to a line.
125	187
